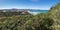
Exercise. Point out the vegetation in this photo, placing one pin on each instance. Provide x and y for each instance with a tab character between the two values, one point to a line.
26	21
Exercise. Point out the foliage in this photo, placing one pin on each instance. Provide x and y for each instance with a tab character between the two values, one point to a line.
26	21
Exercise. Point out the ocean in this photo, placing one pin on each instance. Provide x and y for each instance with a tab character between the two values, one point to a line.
37	11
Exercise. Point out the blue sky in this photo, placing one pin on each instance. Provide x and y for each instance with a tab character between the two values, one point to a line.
27	4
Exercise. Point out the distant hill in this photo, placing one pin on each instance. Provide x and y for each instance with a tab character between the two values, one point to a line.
13	12
31	11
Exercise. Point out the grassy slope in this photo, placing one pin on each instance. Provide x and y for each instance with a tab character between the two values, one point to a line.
47	21
55	15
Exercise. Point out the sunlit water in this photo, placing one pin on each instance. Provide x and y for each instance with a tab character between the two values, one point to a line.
37	11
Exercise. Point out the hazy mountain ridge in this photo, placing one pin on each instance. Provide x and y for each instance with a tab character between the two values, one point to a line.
17	10
22	11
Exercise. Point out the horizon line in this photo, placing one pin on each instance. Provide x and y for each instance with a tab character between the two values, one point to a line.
22	8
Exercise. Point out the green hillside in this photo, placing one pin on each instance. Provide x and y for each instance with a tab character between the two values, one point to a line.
42	21
55	15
